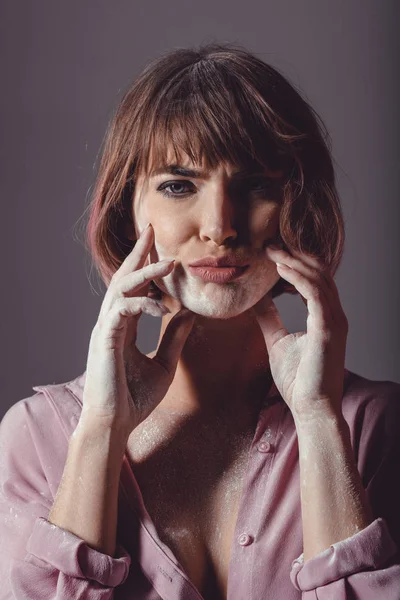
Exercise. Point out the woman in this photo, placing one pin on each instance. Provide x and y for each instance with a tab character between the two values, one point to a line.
236	460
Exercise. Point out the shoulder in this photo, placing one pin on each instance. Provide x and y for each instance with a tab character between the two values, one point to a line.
368	401
52	404
372	411
35	431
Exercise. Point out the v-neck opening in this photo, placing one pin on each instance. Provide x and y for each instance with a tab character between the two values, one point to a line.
148	522
152	532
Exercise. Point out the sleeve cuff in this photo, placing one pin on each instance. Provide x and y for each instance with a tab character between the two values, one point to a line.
71	555
366	550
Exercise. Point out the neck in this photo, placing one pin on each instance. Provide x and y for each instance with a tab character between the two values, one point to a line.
223	369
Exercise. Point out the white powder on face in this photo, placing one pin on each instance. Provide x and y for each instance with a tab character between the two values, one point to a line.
221	301
189	477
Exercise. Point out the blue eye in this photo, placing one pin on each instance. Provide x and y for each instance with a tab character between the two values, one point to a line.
164	186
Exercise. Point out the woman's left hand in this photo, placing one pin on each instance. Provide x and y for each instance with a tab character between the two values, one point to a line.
307	367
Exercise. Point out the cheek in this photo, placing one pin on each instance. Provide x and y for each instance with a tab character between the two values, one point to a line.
265	215
167	243
159	251
271	230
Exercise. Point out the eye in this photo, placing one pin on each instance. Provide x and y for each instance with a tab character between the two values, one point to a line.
262	183
173	184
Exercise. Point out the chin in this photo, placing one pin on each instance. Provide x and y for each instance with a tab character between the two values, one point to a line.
223	305
221	315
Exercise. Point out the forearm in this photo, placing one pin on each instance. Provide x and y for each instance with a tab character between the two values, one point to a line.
86	502
334	504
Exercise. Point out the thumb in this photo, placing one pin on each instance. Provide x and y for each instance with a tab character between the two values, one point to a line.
269	320
174	339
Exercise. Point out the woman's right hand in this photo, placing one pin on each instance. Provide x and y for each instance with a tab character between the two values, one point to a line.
123	386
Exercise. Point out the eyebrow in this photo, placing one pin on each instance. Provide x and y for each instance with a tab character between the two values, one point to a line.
195	174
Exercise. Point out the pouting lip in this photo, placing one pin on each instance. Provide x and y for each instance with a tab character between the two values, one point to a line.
219	274
210	261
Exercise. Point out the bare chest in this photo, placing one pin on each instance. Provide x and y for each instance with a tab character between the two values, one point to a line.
191	484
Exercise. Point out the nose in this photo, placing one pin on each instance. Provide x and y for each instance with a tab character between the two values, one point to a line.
219	217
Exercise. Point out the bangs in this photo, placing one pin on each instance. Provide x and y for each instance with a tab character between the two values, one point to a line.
218	104
210	124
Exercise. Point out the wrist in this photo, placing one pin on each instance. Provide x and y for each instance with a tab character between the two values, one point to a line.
320	418
94	425
319	411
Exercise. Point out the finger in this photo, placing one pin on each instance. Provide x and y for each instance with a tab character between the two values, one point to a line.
316	264
174	339
312	268
137	257
113	327
270	321
314	293
132	284
308	266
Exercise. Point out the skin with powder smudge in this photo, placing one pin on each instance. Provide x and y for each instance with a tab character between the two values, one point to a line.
225	350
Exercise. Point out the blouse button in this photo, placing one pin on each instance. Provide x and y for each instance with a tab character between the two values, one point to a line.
245	539
264	447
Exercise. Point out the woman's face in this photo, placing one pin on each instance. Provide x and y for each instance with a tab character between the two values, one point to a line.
214	214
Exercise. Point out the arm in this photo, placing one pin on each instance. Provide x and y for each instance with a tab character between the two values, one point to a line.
87	499
334	504
39	559
351	524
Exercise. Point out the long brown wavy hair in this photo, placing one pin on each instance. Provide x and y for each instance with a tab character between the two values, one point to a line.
217	103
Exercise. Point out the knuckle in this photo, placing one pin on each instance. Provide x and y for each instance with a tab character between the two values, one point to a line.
153	268
115	308
130	282
122	303
118	303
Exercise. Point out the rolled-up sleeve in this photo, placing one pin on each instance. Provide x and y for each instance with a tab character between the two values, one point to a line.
365	566
40	560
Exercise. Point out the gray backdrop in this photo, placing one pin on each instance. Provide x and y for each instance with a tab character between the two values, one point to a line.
65	65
